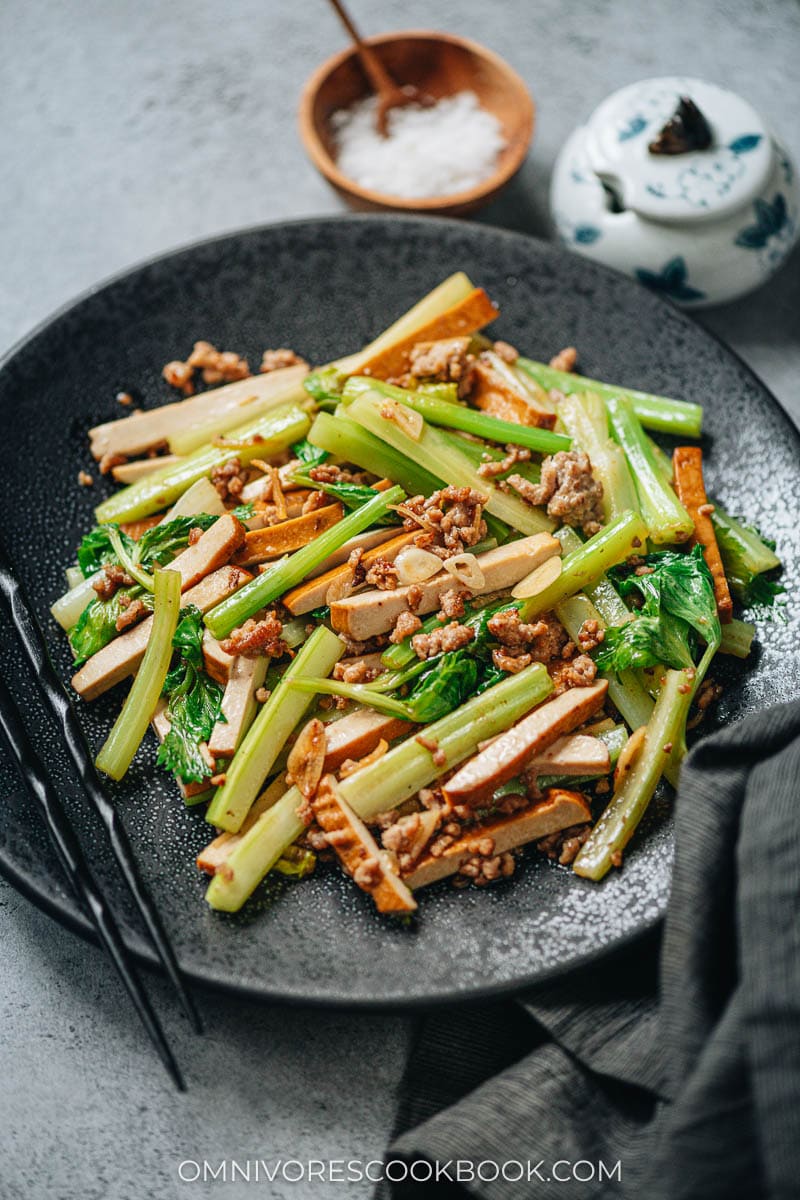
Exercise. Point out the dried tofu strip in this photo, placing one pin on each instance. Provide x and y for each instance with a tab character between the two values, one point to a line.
238	706
560	809
140	432
496	391
260	545
687	463
358	733
122	657
359	853
368	614
130	472
477	780
312	594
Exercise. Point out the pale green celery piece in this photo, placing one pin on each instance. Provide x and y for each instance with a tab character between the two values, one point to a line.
752	554
257	439
130	726
655	412
666	518
294	632
408	767
459	416
602	592
265	738
585	417
185	441
583	567
74	576
291	571
618	823
360	692
348	441
737	638
479	452
256	854
68	608
435	452
662	462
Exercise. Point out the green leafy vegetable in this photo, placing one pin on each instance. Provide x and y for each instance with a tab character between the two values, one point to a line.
194	701
243	512
325	385
748	557
443	688
296	863
158	545
679	608
96	550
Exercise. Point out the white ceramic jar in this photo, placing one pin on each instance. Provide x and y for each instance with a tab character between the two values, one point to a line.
700	227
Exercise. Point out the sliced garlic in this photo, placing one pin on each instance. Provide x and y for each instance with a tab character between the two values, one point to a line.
545	574
307	757
415	565
467	570
406	419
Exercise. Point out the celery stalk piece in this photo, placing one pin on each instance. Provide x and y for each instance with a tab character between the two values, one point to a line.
663	513
616	826
353	691
408	767
185	441
266	736
583	567
662	462
744	554
344	438
434	451
256	439
130	726
201	497
68	608
458	416
655	412
585	417
450	292
74	576
256	854
624	689
291	571
479	452
737	638
605	597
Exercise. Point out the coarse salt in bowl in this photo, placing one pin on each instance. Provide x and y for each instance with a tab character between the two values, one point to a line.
449	158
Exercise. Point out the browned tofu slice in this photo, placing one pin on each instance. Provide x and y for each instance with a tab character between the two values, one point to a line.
359	853
462	319
496	392
368	614
238	706
217	662
576	754
263	544
121	657
211	551
559	810
140	432
508	754
358	733
312	594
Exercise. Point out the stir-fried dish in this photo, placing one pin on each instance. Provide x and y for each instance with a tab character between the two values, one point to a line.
410	611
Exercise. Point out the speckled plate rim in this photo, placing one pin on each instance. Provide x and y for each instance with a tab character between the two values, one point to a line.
71	917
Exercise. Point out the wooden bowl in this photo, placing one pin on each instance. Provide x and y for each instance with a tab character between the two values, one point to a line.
440	64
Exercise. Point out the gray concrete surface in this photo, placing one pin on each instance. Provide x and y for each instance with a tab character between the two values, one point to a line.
130	128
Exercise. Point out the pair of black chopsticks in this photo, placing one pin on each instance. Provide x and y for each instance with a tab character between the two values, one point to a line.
63	835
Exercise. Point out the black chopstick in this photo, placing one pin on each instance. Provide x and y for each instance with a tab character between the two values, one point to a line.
33	644
72	859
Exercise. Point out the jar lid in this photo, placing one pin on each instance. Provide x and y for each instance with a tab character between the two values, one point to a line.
698	185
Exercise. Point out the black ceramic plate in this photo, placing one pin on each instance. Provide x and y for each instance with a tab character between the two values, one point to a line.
324	287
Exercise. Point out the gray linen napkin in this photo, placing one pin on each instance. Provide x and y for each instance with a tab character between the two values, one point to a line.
686	1073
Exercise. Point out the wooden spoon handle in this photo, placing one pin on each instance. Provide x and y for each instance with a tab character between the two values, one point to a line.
379	77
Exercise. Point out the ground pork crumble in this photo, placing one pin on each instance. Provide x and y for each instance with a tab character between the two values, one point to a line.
111	577
565	360
229	478
452	517
256	638
513	455
276	360
406	625
568	488
445	361
563	846
441	641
